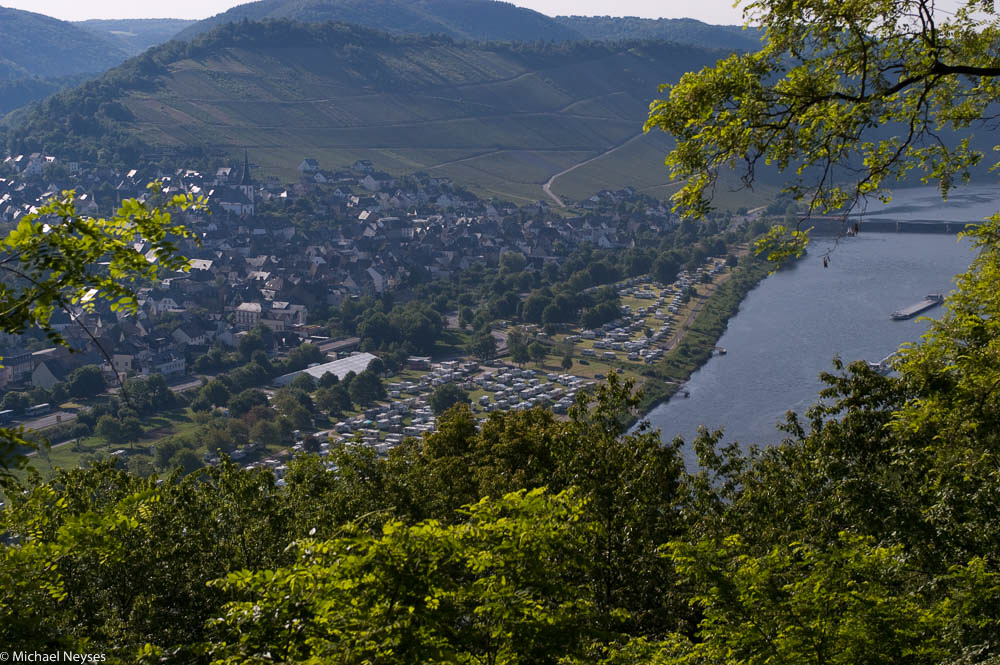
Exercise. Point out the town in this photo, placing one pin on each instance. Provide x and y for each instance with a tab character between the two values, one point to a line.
281	268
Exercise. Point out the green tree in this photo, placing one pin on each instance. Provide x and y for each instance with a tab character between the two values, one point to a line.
244	401
376	366
367	388
465	316
267	432
110	429
58	258
131	429
186	460
328	380
538	351
483	346
445	396
847	603
215	393
501	586
816	96
16	401
86	381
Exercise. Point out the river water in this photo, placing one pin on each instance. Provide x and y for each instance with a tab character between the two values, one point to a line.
791	326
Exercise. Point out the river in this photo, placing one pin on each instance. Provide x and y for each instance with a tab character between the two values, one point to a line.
791	326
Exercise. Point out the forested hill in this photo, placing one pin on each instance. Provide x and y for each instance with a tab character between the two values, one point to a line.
338	93
33	45
136	35
40	55
459	19
678	30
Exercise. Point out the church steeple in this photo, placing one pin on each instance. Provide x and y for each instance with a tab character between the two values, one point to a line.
246	183
245	176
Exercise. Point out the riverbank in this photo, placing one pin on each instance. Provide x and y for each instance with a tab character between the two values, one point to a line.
794	323
699	338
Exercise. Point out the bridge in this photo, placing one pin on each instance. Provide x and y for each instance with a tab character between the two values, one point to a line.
840	226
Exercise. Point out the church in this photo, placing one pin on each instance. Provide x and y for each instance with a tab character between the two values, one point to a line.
238	199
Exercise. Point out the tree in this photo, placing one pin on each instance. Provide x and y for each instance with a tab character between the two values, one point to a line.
16	401
260	339
267	432
465	316
502	586
311	444
148	395
376	366
303	382
820	94
110	429
483	346
86	381
538	351
328	380
215	393
517	344
302	356
131	429
57	258
242	402
445	396
367	388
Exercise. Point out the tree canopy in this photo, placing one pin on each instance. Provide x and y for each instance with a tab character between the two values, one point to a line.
56	259
850	96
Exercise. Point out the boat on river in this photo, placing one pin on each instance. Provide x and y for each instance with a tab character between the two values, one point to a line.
932	300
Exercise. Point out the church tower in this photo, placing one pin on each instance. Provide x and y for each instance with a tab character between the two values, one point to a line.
246	184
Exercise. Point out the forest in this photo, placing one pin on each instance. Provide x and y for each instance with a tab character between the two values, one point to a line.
867	535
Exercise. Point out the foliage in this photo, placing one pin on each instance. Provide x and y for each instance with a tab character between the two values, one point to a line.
445	396
502	586
244	401
814	97
56	256
59	259
367	388
86	381
37	45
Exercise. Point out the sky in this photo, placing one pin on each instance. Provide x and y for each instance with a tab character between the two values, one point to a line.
709	11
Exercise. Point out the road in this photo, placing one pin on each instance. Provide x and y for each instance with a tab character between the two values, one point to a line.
681	329
189	384
55	418
547	187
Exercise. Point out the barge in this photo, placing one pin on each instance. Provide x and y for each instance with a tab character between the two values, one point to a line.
932	300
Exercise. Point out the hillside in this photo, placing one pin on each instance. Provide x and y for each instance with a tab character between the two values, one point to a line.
33	45
500	118
678	30
134	36
459	19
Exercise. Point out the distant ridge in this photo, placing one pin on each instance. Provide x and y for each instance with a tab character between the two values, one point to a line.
34	45
677	30
136	35
486	20
458	19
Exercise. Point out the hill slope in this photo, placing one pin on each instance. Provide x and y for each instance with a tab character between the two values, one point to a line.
459	19
677	30
134	36
33	45
503	118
